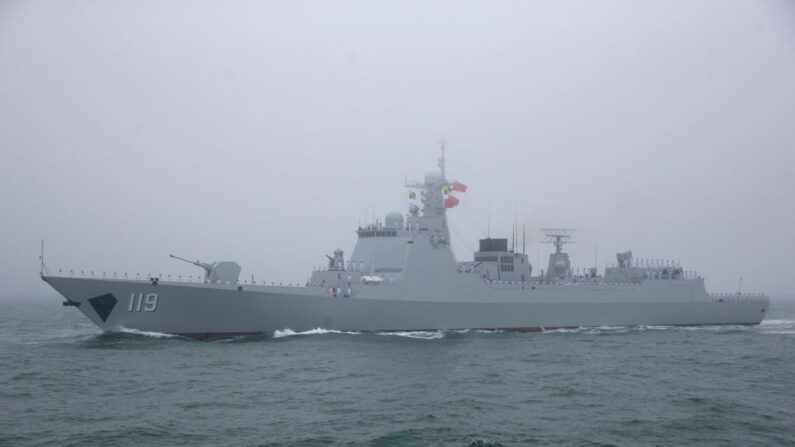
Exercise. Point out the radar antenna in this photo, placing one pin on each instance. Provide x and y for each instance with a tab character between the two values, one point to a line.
557	237
442	142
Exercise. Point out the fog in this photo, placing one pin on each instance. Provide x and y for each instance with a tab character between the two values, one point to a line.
265	132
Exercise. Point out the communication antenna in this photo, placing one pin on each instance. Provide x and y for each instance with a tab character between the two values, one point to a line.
515	225
442	142
488	225
523	240
740	289
41	257
538	255
595	240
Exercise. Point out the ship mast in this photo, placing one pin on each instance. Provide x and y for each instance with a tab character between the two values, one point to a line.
432	197
432	192
559	264
557	237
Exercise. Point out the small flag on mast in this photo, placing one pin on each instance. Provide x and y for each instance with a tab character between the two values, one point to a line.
412	194
459	187
450	202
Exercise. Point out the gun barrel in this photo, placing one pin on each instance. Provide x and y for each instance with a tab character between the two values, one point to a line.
197	263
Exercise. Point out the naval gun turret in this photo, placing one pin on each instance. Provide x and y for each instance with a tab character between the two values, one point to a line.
218	272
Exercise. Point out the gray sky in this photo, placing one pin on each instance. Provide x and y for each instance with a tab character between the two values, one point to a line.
265	132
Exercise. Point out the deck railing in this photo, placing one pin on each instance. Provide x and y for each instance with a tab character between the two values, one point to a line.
738	297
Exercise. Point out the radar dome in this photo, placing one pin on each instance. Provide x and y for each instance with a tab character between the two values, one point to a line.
433	176
394	220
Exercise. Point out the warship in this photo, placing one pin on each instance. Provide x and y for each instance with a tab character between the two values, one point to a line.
403	276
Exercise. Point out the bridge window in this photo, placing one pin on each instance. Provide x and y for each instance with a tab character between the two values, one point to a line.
377	233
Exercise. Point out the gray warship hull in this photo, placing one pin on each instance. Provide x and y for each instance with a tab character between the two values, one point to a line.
214	311
403	276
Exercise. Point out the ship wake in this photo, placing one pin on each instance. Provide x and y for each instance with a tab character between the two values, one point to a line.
777	326
287	332
125	330
768	327
423	335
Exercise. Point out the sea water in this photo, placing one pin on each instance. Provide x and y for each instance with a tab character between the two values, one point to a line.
64	382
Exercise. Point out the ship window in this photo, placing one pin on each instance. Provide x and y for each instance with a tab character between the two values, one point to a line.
375	233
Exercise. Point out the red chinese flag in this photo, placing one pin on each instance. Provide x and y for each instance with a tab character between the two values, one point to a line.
459	187
450	202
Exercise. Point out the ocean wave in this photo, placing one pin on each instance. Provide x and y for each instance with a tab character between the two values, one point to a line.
777	327
767	326
562	330
715	327
125	330
588	329
287	332
615	328
643	328
777	323
424	335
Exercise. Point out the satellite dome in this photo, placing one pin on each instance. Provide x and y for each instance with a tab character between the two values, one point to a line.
560	266
433	176
394	220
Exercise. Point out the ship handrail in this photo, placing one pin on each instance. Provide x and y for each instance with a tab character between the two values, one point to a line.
162	278
735	297
386	281
177	278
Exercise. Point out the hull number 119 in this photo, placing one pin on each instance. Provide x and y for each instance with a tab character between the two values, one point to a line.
139	302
